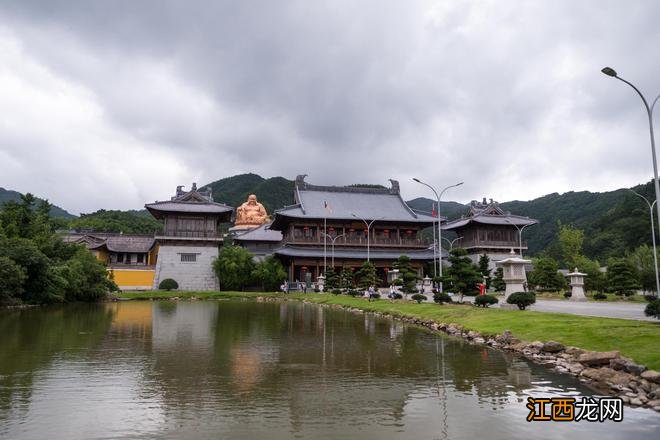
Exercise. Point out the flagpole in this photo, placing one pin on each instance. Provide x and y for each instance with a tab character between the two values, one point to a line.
435	269
325	238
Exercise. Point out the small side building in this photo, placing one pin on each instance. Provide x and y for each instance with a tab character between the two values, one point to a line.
488	229
131	259
191	238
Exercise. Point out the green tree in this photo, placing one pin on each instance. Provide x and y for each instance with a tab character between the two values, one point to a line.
498	280
546	275
622	278
331	280
12	277
407	275
595	280
570	240
270	274
462	276
484	262
234	268
367	276
346	279
86	278
642	259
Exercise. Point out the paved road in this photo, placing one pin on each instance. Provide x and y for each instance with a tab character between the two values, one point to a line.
604	309
607	309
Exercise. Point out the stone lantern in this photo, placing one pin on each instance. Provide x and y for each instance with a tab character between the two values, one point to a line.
576	281
320	282
426	284
513	274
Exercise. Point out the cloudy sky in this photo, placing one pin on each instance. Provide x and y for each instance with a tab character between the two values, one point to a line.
111	104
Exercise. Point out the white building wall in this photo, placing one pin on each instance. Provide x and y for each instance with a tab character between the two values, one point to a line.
197	275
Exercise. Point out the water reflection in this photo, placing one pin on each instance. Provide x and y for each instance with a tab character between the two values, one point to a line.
247	369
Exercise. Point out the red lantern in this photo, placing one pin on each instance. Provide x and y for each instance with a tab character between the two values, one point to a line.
306	228
409	231
387	269
304	268
331	229
351	230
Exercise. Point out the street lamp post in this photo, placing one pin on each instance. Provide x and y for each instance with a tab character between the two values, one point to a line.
368	224
519	234
438	196
649	111
655	257
332	240
451	242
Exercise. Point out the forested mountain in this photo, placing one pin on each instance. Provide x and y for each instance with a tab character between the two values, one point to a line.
55	212
273	193
127	222
614	222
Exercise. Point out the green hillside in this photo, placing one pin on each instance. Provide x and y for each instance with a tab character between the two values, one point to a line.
128	222
273	193
7	195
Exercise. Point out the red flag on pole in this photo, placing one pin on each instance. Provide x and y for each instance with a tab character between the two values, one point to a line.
434	213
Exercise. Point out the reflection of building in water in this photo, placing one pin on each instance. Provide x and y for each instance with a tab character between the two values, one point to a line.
183	326
520	375
134	318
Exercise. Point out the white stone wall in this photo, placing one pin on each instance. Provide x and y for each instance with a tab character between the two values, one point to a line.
196	275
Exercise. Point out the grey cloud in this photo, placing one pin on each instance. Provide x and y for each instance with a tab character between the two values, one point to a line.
497	94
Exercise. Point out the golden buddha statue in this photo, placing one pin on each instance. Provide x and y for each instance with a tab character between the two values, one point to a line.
250	214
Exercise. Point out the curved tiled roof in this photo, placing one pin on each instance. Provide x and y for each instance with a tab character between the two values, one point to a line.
342	202
260	233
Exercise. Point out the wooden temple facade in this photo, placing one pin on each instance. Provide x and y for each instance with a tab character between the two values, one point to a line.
332	223
488	229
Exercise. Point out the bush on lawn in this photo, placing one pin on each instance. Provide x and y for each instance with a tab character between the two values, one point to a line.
521	299
599	296
335	292
441	298
653	309
418	297
168	284
485	300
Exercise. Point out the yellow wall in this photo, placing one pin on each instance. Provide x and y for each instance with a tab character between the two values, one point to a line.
132	278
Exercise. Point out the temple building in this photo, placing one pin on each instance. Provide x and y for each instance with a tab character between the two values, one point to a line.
487	229
260	241
347	215
131	259
190	239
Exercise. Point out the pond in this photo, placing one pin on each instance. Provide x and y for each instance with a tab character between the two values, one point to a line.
244	369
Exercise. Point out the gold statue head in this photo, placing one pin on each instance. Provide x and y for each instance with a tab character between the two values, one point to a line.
252	199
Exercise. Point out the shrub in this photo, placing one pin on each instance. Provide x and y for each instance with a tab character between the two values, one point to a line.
650	298
441	298
234	268
269	273
599	296
418	297
653	309
353	292
397	296
485	300
168	284
375	295
317	289
521	299
335	292
568	294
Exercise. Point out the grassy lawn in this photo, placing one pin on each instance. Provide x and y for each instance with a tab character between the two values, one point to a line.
638	340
